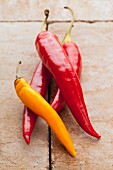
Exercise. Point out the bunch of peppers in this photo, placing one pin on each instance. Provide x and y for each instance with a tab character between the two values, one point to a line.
62	62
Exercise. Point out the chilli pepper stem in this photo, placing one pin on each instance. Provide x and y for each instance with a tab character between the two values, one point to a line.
45	25
17	69
67	37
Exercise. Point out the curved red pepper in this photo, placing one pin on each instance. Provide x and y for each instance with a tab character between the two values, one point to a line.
55	59
73	53
39	82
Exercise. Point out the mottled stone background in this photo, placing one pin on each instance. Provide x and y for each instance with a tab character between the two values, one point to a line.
20	22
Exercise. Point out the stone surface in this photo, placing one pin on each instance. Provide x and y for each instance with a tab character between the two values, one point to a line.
13	10
17	43
95	43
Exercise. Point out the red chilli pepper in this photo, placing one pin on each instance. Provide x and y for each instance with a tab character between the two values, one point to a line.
73	53
39	82
55	59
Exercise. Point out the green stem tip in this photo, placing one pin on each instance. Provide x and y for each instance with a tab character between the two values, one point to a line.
46	12
17	68
67	37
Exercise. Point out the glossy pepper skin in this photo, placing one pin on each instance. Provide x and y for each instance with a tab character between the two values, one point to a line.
74	56
39	82
57	62
34	101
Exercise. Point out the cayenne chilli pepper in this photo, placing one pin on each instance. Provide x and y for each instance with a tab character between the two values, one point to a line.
55	59
73	53
34	101
39	82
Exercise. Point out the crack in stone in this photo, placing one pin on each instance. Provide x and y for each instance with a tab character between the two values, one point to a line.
81	21
57	21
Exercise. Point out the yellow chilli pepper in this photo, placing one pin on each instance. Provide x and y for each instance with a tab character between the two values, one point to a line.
34	101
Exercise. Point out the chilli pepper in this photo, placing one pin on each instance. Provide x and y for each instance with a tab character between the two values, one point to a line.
39	82
55	59
35	102
73	53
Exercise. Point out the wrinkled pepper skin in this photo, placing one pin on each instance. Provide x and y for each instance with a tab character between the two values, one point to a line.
74	56
55	59
35	102
39	82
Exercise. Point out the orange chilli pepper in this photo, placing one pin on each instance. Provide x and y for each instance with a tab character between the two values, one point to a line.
34	101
